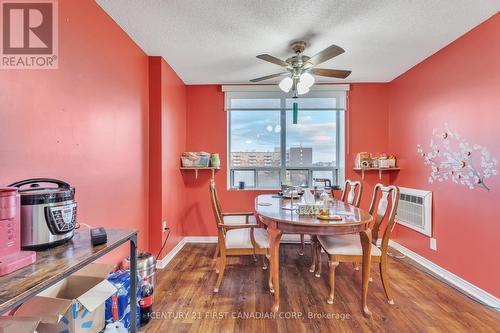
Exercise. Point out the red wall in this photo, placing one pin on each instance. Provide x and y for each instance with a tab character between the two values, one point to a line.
459	85
366	130
167	142
207	131
86	122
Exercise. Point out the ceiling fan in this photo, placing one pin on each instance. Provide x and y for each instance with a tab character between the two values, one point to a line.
300	67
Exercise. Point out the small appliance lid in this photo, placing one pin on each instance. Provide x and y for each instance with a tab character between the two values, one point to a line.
7	191
36	191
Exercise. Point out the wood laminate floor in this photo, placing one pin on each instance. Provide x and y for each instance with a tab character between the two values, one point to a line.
185	302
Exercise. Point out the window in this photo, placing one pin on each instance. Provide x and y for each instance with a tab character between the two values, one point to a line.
266	149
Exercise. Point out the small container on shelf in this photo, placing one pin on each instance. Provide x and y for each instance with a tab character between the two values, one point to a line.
215	160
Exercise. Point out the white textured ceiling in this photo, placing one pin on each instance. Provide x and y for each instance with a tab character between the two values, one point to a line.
216	41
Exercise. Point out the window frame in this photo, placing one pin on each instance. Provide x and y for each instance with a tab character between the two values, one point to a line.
338	171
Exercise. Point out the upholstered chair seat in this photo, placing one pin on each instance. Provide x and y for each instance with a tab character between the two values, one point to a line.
345	245
241	238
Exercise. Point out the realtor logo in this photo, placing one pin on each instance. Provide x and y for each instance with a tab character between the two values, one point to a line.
28	34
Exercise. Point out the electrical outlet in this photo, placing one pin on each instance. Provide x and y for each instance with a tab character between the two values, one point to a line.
433	244
164	226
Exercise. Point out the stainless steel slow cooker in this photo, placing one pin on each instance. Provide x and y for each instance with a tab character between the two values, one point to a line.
48	212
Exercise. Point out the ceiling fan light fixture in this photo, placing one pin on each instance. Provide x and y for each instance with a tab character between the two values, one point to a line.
307	79
286	84
302	88
300	68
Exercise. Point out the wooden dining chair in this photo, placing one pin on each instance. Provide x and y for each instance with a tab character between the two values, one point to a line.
232	218
237	239
352	192
350	195
347	248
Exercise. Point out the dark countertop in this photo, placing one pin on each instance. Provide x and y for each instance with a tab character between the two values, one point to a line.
54	264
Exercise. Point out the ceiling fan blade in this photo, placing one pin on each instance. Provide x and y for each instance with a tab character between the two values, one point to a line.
340	74
328	53
273	60
272	76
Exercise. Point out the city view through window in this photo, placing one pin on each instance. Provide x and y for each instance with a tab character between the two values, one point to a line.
256	152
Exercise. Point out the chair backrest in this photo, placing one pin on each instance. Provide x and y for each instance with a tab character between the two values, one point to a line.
388	194
215	204
352	191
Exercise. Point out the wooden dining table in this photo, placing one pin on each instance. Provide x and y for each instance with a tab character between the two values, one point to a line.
280	217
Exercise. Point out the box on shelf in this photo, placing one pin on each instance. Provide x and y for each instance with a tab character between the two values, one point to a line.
74	305
195	159
387	163
363	160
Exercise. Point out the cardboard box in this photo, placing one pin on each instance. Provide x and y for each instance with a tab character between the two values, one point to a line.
362	160
10	324
74	305
387	163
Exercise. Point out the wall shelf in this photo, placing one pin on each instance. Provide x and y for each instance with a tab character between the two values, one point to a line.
213	169
380	171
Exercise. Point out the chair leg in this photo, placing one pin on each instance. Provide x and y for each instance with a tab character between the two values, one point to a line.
332	265
318	260
270	277
302	246
355	265
264	263
385	281
222	267
314	242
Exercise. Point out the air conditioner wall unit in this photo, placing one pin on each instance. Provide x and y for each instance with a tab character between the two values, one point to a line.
415	210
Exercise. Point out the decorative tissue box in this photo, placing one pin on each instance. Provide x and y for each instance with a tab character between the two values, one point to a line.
309	209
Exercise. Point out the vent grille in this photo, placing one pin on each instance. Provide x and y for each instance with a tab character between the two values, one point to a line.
415	210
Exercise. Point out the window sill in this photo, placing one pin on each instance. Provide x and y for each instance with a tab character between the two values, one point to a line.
255	189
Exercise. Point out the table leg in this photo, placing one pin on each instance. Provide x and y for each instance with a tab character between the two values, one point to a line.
275	238
366	243
301	251
314	242
133	284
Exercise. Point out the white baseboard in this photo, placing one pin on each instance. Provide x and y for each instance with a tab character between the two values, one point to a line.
160	264
451	278
200	239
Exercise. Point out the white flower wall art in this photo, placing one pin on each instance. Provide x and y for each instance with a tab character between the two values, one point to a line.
452	158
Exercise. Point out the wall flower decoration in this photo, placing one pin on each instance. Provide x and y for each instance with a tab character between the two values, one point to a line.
452	158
